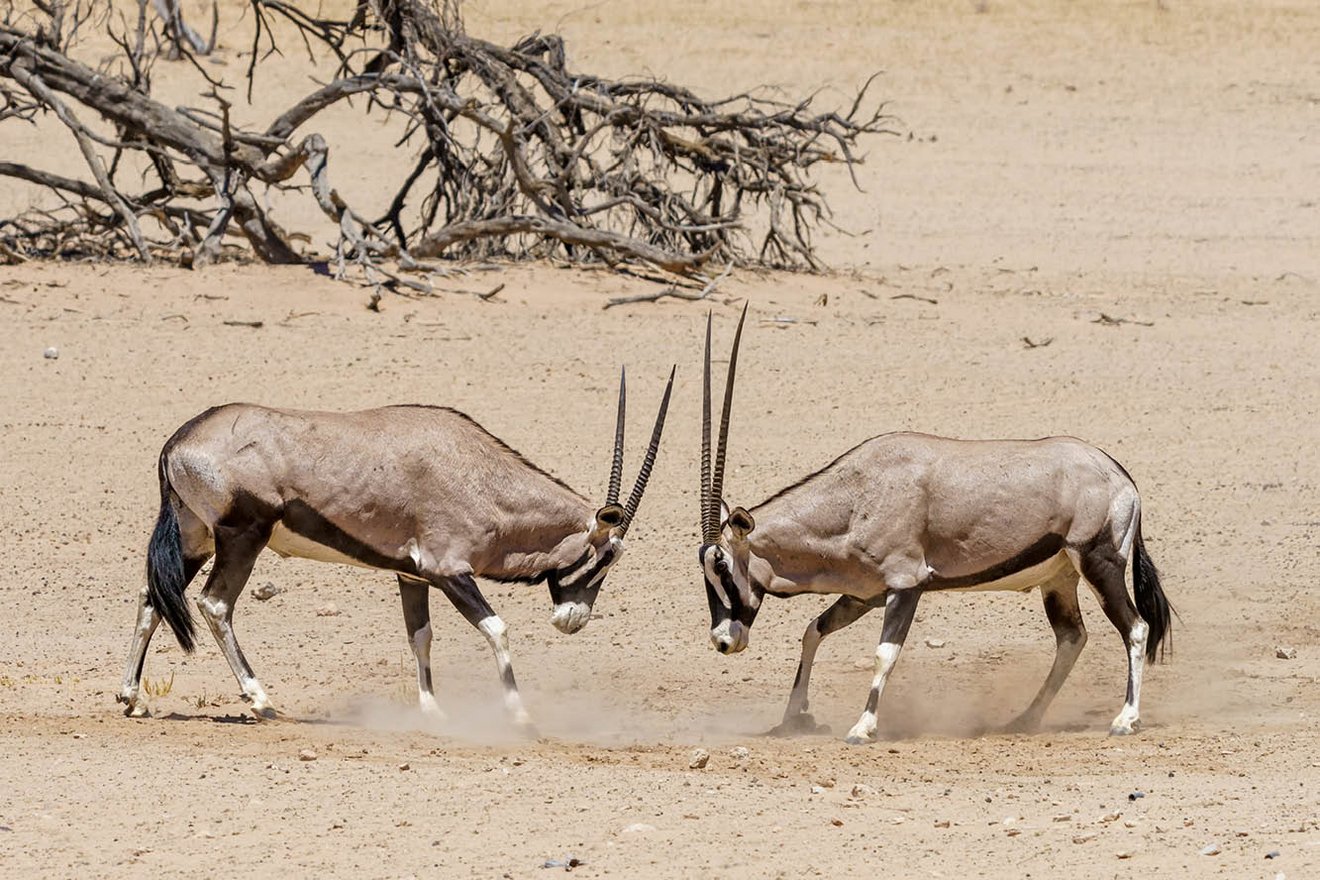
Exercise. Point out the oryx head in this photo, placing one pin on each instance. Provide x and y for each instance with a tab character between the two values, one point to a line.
733	595
574	587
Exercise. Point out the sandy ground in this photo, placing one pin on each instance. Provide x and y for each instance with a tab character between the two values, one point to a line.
1068	161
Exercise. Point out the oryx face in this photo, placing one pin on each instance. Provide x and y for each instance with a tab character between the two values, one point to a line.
733	595
574	588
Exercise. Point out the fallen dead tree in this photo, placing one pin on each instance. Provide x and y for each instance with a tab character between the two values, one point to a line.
507	153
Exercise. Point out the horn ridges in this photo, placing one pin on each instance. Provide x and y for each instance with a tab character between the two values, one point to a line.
643	475
616	466
714	495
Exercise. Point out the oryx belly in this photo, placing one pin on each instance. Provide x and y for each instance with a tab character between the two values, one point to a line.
288	543
1017	581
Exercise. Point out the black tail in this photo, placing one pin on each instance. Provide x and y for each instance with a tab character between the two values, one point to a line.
166	576
1153	607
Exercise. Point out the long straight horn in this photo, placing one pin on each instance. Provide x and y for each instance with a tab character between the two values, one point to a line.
717	479
706	532
630	509
616	467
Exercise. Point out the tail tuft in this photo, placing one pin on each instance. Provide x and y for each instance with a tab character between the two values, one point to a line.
1152	605
166	577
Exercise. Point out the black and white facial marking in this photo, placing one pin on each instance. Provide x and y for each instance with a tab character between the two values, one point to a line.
733	596
574	589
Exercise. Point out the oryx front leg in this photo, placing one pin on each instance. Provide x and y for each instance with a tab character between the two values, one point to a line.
845	611
463	592
900	607
235	553
417	621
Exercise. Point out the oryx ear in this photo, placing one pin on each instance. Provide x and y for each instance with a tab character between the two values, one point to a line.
609	516
741	522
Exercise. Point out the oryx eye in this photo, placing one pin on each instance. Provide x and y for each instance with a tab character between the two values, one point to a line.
719	566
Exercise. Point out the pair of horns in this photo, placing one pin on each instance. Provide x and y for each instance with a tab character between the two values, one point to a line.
712	486
616	467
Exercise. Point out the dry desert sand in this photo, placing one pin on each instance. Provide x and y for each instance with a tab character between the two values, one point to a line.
1153	163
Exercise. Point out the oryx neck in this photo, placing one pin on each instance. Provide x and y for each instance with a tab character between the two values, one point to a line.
805	556
533	535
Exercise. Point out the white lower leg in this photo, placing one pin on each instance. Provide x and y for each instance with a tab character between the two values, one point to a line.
885	657
1128	719
497	634
130	692
421	646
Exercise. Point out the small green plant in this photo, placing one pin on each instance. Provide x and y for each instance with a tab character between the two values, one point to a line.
159	687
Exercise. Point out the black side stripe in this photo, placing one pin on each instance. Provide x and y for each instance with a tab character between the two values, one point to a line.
303	520
1044	549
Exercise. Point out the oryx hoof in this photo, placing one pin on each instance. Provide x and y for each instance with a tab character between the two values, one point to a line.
853	739
1021	724
266	713
798	725
1125	729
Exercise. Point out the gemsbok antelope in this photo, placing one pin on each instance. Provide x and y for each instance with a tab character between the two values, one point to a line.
424	492
905	514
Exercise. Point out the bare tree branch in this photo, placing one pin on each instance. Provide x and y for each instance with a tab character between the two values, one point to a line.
503	151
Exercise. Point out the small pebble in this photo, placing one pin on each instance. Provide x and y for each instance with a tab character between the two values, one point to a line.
836	822
740	753
1084	838
942	823
861	790
816	789
1285	652
1123	854
405	766
307	755
329	609
700	758
1136	794
51	353
1211	849
266	591
1272	854
1063	817
935	643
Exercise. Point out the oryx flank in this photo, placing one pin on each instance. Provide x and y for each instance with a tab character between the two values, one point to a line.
905	514
423	492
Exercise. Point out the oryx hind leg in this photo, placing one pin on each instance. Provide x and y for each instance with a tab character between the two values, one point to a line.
900	608
462	590
1065	617
415	595
845	611
197	548
236	550
1103	565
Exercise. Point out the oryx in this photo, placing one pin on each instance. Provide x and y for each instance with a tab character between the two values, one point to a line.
424	492
905	514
